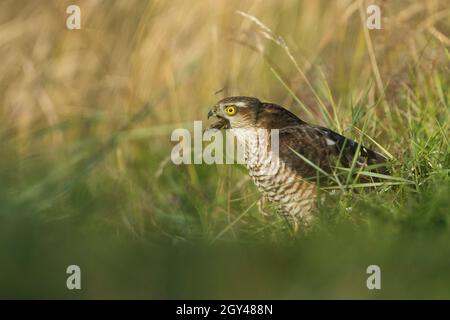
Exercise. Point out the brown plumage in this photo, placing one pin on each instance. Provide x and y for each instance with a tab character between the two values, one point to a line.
288	181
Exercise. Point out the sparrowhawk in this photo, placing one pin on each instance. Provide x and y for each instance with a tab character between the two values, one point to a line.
307	155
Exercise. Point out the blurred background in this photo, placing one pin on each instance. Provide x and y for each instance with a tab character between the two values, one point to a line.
85	172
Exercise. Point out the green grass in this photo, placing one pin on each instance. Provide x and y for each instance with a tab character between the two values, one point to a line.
86	176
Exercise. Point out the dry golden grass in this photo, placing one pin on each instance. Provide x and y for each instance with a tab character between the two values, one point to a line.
127	53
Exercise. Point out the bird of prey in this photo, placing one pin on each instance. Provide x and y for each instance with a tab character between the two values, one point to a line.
306	154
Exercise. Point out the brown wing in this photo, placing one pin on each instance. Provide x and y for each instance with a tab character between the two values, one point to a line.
324	148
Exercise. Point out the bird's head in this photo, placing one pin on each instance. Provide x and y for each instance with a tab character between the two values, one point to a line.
235	112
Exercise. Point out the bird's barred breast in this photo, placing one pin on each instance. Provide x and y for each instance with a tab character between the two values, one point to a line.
277	181
274	178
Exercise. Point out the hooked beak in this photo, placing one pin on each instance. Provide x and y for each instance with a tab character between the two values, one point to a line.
220	123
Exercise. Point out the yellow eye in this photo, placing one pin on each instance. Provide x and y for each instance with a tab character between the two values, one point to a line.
230	110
